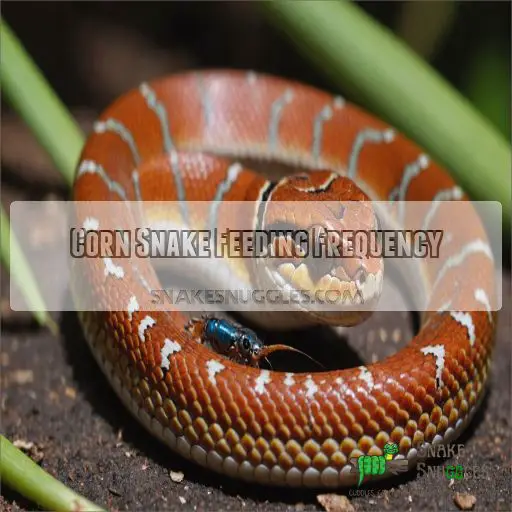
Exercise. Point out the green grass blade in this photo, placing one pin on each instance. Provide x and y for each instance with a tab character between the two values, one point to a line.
488	84
30	94
368	60
14	260
53	126
23	475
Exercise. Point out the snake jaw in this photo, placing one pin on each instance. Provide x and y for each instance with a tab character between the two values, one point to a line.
356	299
332	264
354	282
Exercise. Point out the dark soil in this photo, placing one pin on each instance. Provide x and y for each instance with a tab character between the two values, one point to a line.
55	396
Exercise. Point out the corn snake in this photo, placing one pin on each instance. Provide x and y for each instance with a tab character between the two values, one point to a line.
272	427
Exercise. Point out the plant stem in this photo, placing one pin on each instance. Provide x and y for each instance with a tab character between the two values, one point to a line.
23	475
367	59
32	97
14	260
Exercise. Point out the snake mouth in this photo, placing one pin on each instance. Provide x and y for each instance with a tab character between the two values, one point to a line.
332	279
336	286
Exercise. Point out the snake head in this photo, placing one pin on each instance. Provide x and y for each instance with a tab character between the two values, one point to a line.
324	243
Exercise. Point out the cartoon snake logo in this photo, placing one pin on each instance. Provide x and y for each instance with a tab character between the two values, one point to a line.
375	464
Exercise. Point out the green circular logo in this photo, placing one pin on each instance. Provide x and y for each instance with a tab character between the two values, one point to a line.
390	449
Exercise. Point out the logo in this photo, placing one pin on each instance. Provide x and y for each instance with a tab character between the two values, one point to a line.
373	465
455	472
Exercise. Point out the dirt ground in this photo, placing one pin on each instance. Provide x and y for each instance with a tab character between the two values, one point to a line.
54	395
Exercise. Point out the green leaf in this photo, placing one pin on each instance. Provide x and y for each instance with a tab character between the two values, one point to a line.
14	260
367	59
23	475
30	94
488	84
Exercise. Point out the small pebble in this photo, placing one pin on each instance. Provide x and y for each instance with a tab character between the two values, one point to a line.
464	501
177	476
335	503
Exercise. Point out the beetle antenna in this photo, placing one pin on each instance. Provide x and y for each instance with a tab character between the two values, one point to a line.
274	348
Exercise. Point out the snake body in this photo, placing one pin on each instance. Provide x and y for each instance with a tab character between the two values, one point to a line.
168	140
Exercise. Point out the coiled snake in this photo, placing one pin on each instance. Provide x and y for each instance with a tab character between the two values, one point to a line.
169	140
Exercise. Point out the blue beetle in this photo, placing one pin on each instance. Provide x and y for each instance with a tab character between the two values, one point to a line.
233	340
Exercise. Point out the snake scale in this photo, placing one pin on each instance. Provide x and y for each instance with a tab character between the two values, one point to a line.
176	139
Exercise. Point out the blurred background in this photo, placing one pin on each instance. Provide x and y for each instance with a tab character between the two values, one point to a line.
91	52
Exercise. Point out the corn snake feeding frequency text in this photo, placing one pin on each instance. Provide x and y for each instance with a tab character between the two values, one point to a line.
171	140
